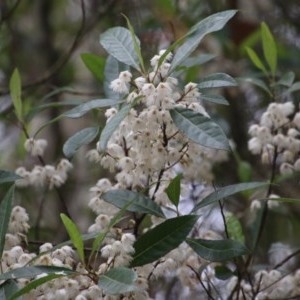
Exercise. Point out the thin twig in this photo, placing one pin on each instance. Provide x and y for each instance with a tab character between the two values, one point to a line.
10	12
221	204
287	259
61	62
202	284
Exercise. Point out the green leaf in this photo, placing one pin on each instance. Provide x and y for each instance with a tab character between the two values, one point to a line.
139	202
82	109
8	176
250	41
256	82
38	108
118	42
228	191
34	284
214	98
217	250
80	138
210	24
285	200
118	281
244	170
30	272
234	228
173	189
7	289
256	60
254	228
166	7
223	272
136	44
15	92
269	48
216	80
95	64
161	239
287	79
112	125
74	235
5	211
199	60
112	70
294	88
199	129
116	218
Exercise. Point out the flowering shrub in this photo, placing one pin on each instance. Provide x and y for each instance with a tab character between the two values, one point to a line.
159	218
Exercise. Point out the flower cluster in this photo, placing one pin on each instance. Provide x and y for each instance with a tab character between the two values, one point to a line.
272	284
44	176
147	146
277	137
35	147
80	286
146	152
18	227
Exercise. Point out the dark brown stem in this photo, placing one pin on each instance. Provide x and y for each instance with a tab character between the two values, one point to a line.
265	208
137	224
202	284
10	12
224	219
287	259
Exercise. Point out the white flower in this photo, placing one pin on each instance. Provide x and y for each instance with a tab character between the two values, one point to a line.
131	97
140	81
104	184
195	106
253	130
296	120
107	251
191	92
292	132
264	135
25	181
56	180
126	164
297	165
288	156
93	156
154	61
45	247
254	145
266	120
18	220
163	90
80	297
127	241
255	205
110	113
119	86
125	76
169	55
64	165
164	69
286	169
278	252
287	108
102	220
35	147
279	140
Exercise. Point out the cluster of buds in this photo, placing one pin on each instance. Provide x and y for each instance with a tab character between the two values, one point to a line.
277	137
44	176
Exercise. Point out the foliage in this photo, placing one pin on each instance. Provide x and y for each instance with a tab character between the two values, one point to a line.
158	146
